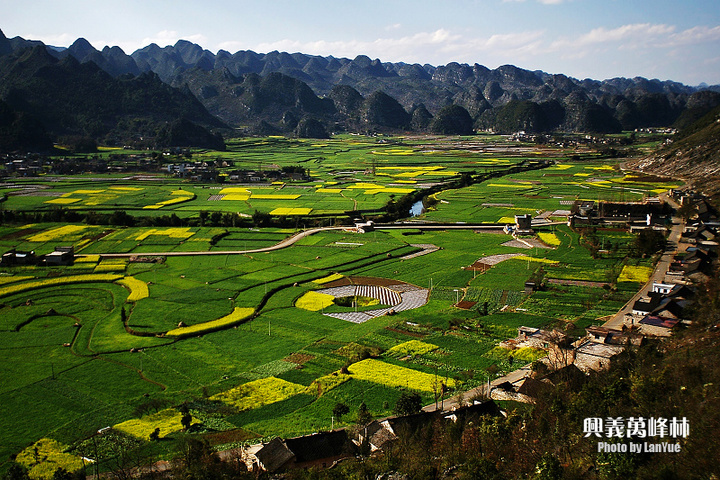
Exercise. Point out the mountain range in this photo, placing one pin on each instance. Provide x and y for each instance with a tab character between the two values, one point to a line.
310	95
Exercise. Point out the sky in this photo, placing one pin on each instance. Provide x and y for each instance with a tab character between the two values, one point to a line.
599	39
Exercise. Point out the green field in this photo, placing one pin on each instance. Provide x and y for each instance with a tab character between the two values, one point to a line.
79	354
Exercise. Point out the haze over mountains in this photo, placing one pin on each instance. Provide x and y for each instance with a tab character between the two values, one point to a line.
115	97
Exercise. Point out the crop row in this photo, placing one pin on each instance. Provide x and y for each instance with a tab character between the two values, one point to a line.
49	282
235	316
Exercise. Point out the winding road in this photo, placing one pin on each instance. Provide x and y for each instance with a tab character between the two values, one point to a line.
305	233
671	248
282	244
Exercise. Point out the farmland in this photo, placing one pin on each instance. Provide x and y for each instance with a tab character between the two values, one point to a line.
243	338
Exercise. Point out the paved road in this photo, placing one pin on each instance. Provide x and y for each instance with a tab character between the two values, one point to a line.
298	236
465	398
282	244
673	246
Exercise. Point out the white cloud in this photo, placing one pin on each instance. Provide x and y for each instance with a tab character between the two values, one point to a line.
544	2
56	40
232	46
644	49
421	47
695	35
639	36
639	32
407	48
170	37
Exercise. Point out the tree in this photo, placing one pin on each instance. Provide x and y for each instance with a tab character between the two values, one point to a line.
62	474
16	472
186	421
198	461
408	403
648	242
363	416
261	219
339	410
548	468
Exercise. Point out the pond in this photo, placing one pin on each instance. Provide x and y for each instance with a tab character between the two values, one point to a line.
416	209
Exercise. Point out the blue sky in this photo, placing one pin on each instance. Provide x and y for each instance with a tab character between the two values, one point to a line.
599	39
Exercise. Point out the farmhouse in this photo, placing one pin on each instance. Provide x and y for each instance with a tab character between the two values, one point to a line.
591	356
377	435
318	449
529	388
666	301
61	256
269	457
523	224
658	326
14	257
611	336
535	337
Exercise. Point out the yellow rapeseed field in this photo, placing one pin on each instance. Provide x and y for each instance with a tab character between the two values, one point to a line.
87	258
324	384
236	315
328	279
635	274
291	211
259	392
314	301
63	201
237	197
50	456
549	238
263	196
376	371
57	233
168	421
14	278
88	192
234	190
526	354
413	347
138	288
172	232
51	282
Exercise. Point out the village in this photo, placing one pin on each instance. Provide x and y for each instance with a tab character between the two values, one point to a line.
654	313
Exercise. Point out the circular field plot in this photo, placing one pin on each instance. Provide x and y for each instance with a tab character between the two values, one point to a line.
399	296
